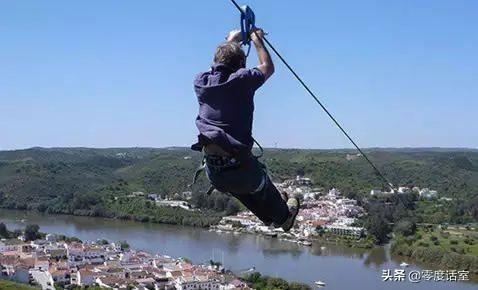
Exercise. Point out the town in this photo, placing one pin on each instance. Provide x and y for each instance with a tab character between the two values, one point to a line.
321	213
51	262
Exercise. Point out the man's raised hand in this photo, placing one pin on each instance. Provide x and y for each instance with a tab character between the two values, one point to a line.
234	36
257	34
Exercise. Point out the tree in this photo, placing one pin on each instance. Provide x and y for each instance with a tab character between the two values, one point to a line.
103	242
405	227
32	232
4	231
232	207
214	264
124	245
379	227
474	207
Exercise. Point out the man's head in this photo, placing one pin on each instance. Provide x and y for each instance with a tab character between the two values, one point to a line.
231	55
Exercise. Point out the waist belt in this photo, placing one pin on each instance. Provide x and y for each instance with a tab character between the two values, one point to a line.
221	163
216	163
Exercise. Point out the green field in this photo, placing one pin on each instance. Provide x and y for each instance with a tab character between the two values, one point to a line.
449	240
467	239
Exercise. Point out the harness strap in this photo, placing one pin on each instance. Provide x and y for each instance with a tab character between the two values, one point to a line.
210	190
198	171
260	148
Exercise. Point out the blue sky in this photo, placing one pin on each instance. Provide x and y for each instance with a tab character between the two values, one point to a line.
119	73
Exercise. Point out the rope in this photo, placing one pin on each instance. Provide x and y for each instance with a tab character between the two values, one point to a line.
377	171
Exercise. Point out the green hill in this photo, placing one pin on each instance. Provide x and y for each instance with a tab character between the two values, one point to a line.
88	181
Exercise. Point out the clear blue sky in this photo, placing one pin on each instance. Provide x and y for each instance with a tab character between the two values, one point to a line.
119	73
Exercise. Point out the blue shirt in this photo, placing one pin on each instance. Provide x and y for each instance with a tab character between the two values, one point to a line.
226	107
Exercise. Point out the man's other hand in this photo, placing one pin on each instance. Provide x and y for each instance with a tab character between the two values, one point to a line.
257	34
234	36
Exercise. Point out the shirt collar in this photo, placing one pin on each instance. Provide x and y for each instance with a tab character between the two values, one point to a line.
221	68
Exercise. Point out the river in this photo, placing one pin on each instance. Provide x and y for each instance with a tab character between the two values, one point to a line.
340	267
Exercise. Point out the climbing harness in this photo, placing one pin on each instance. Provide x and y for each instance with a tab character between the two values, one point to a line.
224	163
248	23
244	14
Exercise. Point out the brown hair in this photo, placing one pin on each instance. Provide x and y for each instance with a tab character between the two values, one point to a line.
231	55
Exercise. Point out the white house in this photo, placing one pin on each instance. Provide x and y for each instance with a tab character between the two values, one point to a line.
375	192
11	245
86	277
403	189
428	194
194	282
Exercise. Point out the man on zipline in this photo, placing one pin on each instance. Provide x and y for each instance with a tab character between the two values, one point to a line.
226	104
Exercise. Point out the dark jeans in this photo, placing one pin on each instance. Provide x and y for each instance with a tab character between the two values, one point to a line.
243	183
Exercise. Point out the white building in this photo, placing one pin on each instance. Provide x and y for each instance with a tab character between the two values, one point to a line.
375	192
302	181
174	203
11	245
403	189
428	194
244	221
310	195
344	230
86	277
51	238
190	283
43	278
333	193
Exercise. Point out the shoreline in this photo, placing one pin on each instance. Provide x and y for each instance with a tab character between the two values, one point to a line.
214	227
305	241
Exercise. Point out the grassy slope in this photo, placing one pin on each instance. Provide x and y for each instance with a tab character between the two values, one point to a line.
445	240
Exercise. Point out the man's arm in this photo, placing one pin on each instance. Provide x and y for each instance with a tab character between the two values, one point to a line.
266	66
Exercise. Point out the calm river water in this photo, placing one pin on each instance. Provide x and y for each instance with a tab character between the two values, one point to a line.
340	267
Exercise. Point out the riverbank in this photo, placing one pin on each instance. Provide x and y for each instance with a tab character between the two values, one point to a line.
296	237
142	211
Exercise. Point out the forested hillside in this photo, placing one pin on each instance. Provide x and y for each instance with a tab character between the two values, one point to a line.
98	181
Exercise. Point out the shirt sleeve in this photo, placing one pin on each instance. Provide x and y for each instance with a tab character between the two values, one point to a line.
253	77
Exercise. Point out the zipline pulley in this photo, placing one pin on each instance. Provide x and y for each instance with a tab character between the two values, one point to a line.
248	23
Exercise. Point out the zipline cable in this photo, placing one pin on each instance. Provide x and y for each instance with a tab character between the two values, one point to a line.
377	171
